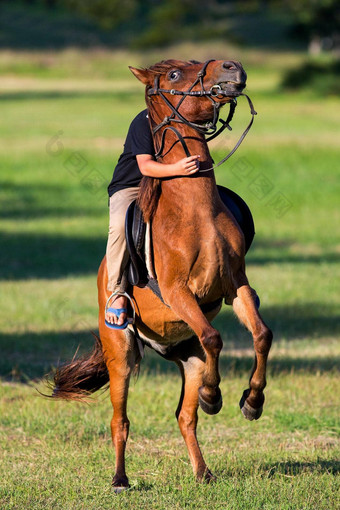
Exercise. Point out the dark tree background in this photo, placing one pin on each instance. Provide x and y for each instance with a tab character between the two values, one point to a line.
148	23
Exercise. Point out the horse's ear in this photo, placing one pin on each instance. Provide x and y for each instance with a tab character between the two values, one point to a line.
143	75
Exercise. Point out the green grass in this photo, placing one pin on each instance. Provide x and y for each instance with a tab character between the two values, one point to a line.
60	456
53	228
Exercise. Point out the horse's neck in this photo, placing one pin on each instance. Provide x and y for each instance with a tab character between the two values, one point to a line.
181	192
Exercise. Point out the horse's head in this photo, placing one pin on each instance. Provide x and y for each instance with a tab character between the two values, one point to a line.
196	89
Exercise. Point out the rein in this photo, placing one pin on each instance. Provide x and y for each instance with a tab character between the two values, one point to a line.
240	140
210	128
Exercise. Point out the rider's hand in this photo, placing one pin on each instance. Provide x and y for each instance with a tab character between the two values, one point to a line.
187	166
151	168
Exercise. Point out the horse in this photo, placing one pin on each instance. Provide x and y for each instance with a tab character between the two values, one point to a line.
199	260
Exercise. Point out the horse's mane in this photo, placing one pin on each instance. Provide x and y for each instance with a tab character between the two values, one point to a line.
151	188
165	65
149	192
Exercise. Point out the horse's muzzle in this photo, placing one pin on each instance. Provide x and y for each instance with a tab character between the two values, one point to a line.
232	77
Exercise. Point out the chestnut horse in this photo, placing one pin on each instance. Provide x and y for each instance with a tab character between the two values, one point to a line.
199	259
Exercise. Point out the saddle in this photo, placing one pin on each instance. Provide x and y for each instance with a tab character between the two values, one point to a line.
135	229
138	236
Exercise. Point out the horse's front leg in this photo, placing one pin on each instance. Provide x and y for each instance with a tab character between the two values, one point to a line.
246	310
184	304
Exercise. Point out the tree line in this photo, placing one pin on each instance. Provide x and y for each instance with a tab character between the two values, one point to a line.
148	23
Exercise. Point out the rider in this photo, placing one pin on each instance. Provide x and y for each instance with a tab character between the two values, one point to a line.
138	159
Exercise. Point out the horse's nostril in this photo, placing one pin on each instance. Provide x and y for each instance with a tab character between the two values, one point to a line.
229	65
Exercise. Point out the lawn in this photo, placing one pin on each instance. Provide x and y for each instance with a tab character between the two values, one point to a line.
62	127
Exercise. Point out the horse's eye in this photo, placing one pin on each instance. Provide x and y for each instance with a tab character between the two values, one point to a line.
174	75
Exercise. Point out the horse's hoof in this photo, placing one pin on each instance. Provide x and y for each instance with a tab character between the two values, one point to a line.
210	407
206	477
249	412
120	485
209	477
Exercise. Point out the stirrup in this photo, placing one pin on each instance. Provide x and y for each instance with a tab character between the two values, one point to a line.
128	320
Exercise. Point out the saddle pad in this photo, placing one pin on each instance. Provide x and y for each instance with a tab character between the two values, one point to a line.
241	212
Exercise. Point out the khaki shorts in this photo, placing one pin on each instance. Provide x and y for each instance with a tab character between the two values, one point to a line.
116	251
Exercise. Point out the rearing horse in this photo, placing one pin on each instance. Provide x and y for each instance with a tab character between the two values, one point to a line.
199	252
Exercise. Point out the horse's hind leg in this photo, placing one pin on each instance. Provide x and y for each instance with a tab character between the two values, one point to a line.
120	359
192	366
246	310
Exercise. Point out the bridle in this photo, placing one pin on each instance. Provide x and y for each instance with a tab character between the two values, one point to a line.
209	130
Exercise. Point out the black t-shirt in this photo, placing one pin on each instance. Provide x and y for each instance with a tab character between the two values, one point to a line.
138	141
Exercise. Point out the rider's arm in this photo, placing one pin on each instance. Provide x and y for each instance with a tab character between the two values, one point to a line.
151	168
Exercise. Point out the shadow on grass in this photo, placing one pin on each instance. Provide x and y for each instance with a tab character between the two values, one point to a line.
293	468
258	259
290	258
52	256
31	356
233	365
267	251
121	95
286	468
58	202
288	322
61	211
27	256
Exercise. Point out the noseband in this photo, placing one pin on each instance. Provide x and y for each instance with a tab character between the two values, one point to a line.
209	129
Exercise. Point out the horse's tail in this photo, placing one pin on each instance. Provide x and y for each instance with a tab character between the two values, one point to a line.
82	376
